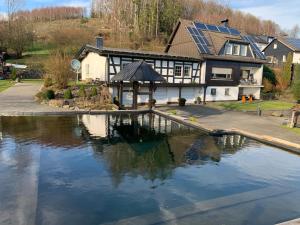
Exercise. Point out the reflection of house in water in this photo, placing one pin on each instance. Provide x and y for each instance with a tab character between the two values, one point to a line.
152	146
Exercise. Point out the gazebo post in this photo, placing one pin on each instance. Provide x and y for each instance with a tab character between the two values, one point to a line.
121	94
135	93
150	94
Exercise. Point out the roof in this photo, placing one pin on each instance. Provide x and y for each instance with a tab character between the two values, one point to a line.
261	39
138	71
209	40
291	43
129	52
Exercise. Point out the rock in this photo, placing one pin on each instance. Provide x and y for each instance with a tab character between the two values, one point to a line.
277	114
66	107
56	103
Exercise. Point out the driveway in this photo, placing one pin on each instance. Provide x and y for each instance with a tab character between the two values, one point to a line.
19	100
265	127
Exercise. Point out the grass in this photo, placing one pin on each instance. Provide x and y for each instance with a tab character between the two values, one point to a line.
173	112
263	105
5	84
295	130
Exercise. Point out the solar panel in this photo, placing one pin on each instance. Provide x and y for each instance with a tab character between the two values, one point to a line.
254	47
234	31
224	30
294	42
201	26
199	39
212	27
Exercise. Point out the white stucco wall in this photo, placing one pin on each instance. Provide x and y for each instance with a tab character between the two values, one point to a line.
94	66
220	95
296	58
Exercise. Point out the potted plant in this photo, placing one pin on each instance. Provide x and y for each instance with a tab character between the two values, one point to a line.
181	101
198	100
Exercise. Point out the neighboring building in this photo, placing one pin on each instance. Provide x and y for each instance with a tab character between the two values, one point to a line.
261	40
277	51
215	63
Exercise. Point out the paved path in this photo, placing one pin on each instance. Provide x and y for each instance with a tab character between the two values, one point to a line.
267	129
19	99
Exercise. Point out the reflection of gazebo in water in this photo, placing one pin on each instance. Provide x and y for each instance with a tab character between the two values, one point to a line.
134	73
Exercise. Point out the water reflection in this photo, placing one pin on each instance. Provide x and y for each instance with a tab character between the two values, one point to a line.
152	146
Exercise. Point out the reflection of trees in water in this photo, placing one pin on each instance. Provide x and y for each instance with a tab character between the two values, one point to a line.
52	131
152	147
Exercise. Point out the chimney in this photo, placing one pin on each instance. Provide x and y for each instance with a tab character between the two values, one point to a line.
99	42
225	23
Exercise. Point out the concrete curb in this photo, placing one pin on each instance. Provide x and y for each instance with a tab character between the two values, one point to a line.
286	145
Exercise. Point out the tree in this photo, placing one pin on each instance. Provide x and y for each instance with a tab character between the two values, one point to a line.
287	69
296	90
294	32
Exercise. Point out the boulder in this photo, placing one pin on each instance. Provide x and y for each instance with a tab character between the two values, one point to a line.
277	114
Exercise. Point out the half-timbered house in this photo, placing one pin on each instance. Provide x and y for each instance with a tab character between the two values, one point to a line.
215	63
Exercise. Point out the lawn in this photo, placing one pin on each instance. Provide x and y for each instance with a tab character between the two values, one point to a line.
263	105
4	84
295	130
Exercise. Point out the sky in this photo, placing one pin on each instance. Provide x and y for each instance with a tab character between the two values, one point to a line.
284	12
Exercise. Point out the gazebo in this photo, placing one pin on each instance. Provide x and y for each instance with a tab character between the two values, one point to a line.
134	73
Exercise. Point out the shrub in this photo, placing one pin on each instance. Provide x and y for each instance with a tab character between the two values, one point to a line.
49	94
94	91
48	82
296	90
13	75
82	92
116	101
58	68
269	75
68	94
181	101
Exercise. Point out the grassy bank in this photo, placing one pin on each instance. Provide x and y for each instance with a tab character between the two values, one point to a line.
295	130
264	105
4	84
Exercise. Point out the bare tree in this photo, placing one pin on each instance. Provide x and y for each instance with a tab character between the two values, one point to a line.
294	32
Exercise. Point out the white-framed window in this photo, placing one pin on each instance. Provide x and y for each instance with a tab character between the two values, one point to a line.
227	91
284	58
236	49
245	74
213	91
178	71
275	46
228	49
87	69
244	50
187	71
221	73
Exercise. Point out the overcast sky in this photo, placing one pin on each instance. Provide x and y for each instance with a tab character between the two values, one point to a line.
284	12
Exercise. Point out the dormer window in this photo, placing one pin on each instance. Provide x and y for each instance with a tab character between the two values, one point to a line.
236	49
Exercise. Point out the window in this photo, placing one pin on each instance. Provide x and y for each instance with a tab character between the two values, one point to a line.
227	91
236	50
213	91
221	73
228	49
243	50
187	71
245	74
284	58
275	45
178	71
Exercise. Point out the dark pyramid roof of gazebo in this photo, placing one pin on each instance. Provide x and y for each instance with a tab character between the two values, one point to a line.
138	71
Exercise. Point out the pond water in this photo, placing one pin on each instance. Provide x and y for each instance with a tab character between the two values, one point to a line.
139	169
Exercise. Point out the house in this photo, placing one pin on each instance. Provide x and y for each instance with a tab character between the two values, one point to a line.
261	40
215	63
279	49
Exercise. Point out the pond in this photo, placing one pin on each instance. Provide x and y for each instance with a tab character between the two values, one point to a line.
139	169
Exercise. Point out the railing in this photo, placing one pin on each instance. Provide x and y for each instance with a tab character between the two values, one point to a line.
248	82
